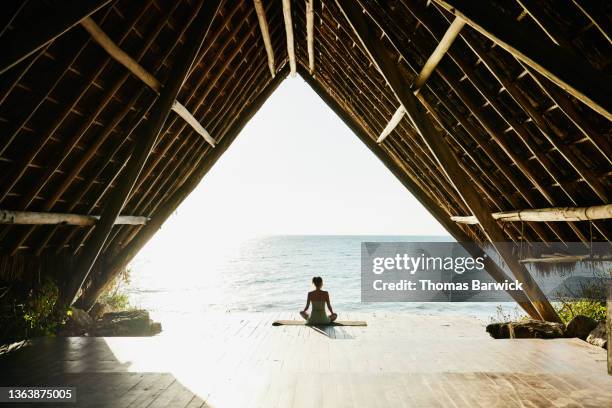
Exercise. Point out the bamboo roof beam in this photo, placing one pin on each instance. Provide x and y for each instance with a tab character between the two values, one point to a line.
485	121
149	133
478	113
265	34
564	103
20	43
597	15
289	33
430	65
586	174
141	73
559	258
388	68
562	67
48	218
557	214
310	35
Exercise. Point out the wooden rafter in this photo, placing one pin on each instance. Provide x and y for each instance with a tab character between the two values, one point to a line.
265	34
458	87
310	35
148	135
20	43
141	73
448	162
559	65
46	218
430	65
559	214
597	14
289	33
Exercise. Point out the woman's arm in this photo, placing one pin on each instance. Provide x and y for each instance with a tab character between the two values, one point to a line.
328	303
307	303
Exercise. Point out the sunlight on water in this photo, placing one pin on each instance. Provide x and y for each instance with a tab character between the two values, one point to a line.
268	274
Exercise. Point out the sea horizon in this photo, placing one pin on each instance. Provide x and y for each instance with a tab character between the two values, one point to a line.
273	273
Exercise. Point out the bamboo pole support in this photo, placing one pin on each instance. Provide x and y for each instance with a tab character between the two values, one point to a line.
47	218
556	214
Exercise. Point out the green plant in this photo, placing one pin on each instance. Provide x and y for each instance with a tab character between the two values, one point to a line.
39	314
503	316
116	296
594	309
588	299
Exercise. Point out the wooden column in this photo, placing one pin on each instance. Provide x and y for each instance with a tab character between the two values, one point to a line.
87	300
146	138
23	41
562	67
387	65
435	210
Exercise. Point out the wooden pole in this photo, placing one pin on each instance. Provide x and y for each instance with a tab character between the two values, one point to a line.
88	298
557	214
569	72
146	137
310	35
20	43
430	65
265	34
289	32
387	65
413	187
141	73
46	218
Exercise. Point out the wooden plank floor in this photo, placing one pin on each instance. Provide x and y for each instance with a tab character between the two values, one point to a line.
241	360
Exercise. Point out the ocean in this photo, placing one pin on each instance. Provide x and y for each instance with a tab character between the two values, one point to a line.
271	274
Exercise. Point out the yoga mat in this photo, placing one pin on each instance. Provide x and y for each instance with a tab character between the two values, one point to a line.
304	323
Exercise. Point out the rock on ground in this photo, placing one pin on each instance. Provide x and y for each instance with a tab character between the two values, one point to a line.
128	323
598	337
528	329
78	323
580	326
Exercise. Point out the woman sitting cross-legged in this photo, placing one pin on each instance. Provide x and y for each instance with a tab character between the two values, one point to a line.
319	298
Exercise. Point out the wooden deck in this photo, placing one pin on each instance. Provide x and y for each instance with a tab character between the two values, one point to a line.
240	360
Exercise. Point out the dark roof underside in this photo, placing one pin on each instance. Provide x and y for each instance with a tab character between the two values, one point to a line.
67	112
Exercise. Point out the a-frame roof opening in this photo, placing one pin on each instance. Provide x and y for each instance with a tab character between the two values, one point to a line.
481	109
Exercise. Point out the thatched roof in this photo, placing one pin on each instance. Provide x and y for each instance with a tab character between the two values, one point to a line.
68	111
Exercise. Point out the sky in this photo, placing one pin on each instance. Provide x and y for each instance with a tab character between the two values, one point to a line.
295	169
